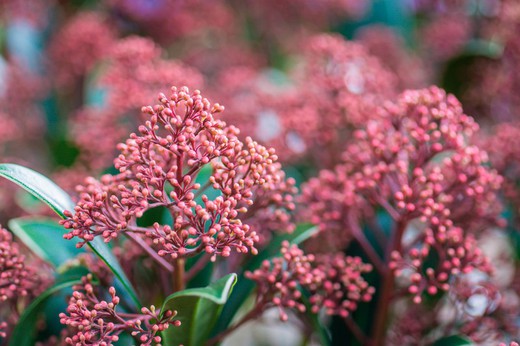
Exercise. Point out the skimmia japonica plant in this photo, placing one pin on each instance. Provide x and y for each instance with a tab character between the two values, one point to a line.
360	191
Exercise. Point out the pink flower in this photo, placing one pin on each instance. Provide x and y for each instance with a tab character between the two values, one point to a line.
414	163
503	146
16	279
446	35
96	322
386	44
19	282
334	281
159	167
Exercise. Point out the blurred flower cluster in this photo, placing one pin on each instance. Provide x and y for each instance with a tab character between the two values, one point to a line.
349	167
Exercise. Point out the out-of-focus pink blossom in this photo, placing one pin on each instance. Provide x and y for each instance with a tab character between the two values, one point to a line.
78	46
445	36
343	83
134	72
34	11
169	20
385	44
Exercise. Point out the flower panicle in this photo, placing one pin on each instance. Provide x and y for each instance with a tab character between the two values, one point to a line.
417	164
96	322
334	282
16	278
159	166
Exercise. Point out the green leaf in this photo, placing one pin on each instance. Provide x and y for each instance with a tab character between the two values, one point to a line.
198	309
244	286
39	186
453	340
59	201
24	333
44	237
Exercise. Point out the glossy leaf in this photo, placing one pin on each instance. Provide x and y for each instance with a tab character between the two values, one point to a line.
198	309
24	333
44	237
453	340
39	186
59	201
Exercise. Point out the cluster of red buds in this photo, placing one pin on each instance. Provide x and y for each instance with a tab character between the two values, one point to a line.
333	282
96	322
16	279
414	163
19	282
159	168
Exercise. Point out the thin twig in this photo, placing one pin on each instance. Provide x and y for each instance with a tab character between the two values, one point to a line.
155	256
358	234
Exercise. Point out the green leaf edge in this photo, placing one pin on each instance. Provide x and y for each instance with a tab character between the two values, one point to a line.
15	225
65	203
97	245
453	340
230	279
196	292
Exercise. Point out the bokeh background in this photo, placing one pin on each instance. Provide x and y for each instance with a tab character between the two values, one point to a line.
298	75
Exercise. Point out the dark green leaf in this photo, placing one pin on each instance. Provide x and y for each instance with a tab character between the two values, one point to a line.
59	201
44	237
203	277
198	309
24	333
453	340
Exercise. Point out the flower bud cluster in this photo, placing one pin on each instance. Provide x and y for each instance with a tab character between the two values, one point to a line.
16	279
96	322
414	163
340	287
337	78
334	282
159	167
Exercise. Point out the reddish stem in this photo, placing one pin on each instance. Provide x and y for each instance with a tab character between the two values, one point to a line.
179	275
357	232
151	252
386	290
